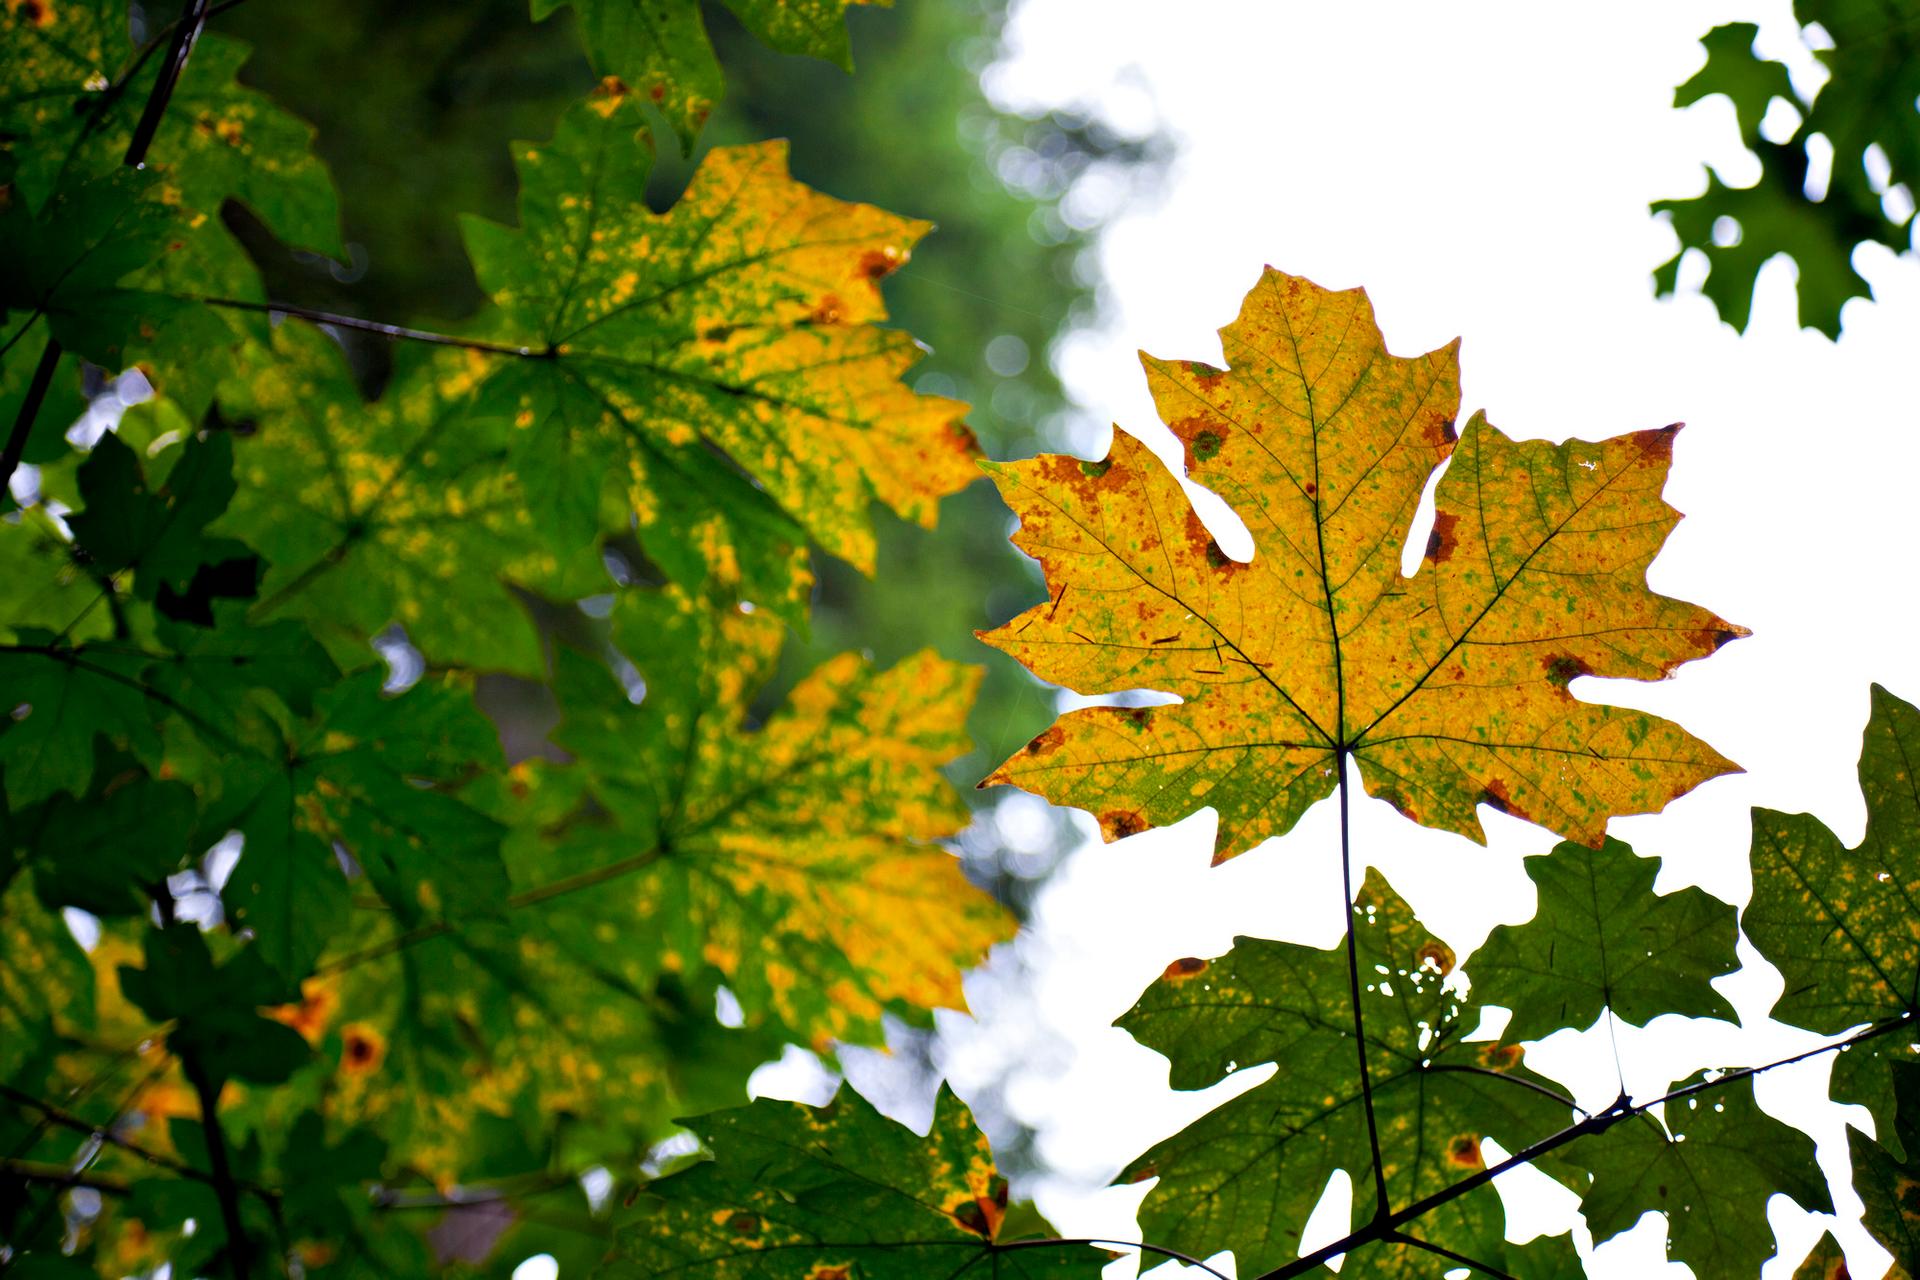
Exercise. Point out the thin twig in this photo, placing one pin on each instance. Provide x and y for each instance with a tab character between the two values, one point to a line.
525	898
61	1175
395	331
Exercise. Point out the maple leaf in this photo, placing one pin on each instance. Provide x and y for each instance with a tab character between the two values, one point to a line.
834	1192
1885	1180
1712	1176
745	318
408	511
1840	923
1251	1171
660	47
1864	105
1449	688
1601	939
799	859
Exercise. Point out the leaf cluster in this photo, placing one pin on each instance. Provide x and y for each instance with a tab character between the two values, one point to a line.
1861	125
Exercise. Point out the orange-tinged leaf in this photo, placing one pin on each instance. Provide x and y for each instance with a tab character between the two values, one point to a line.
1450	688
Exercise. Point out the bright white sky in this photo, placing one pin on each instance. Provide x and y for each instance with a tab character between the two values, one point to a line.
1484	170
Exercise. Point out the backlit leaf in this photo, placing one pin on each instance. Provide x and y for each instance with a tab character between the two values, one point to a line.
815	1193
799	860
1250	1172
1711	1176
1887	1183
660	49
1840	923
745	318
408	511
1450	688
1600	938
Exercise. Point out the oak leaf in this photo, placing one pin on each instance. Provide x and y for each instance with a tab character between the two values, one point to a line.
1449	688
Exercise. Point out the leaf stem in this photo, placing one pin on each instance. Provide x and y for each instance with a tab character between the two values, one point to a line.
525	898
1413	1242
395	331
185	32
1381	1206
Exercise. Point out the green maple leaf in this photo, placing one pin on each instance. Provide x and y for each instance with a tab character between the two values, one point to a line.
375	776
46	984
1886	1181
813	1193
660	49
69	697
1250	1172
102	852
1840	923
744	319
1712	1177
1601	939
407	509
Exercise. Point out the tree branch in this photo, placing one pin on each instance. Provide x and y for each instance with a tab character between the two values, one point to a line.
61	1175
1623	1108
225	1189
29	410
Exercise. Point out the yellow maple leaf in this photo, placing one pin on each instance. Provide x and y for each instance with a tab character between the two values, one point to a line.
1449	688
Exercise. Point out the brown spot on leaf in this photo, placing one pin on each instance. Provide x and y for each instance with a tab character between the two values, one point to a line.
1464	1152
1497	797
1500	1057
1444	432
1185	967
1140	717
362	1049
821	1271
744	1223
1442	541
1047	742
1564	667
1118	824
878	264
827	311
971	1215
1437	955
1204	371
1144	1172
